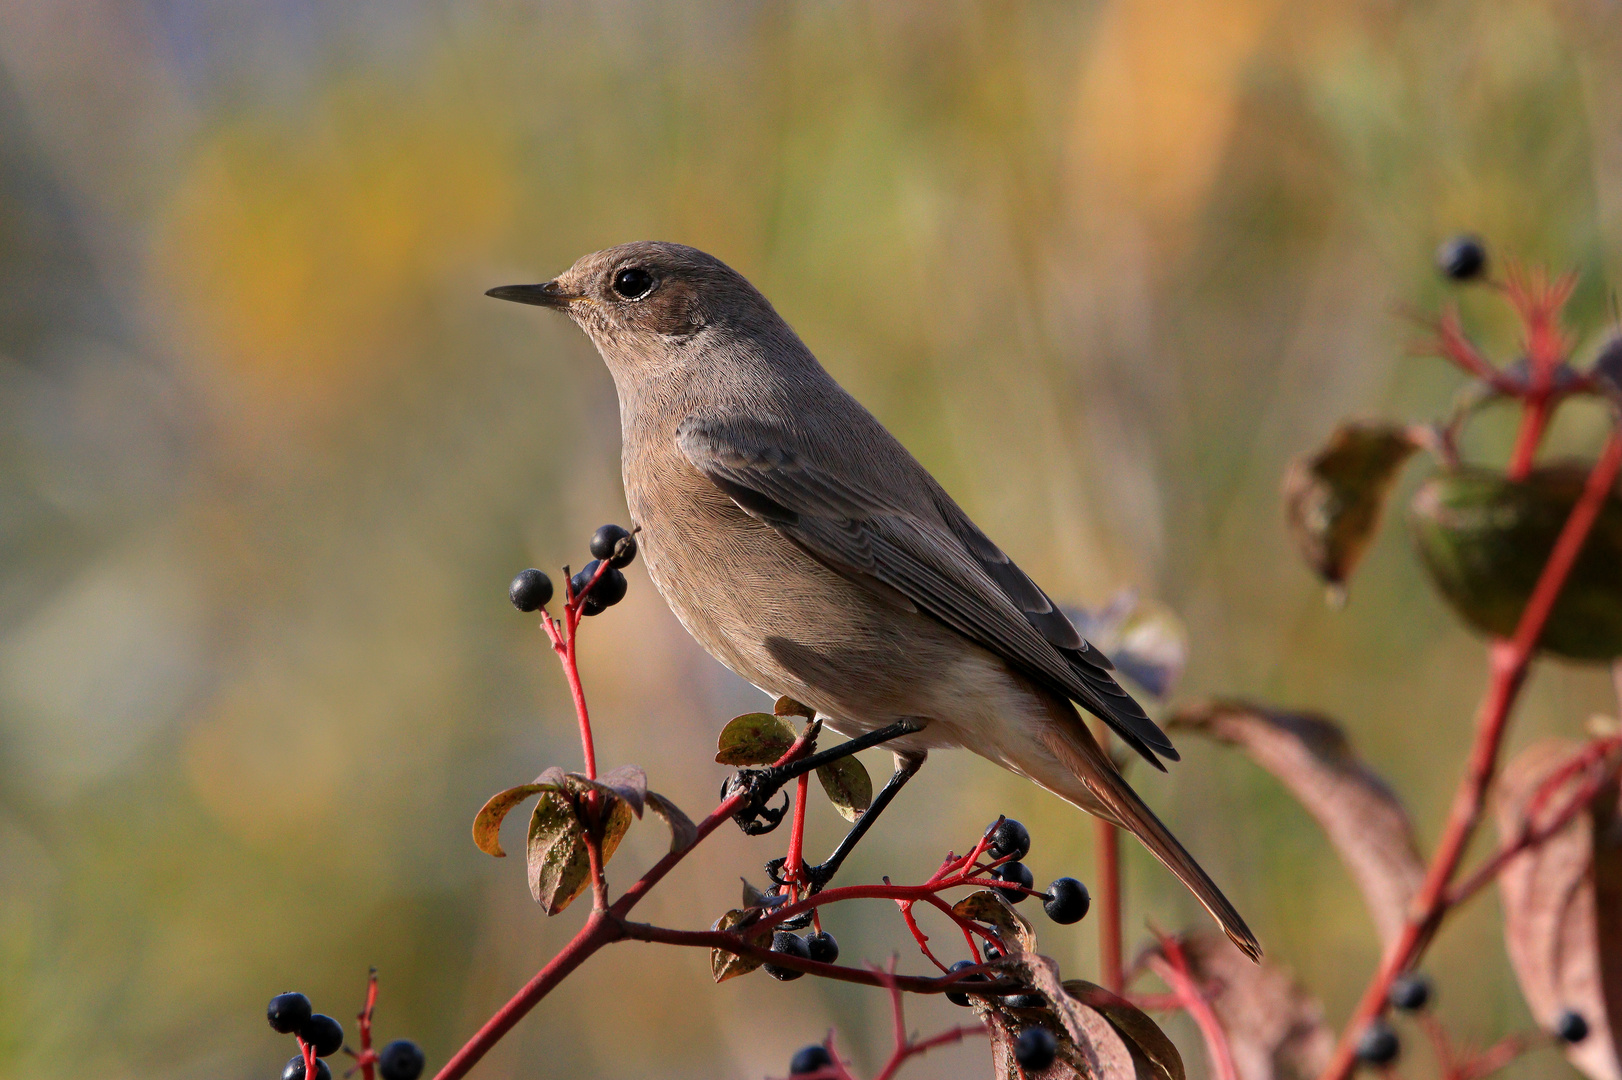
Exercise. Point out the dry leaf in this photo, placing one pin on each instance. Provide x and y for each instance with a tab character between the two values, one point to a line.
725	965
682	830
1334	498
1118	1042
1362	818
1565	946
1275	1028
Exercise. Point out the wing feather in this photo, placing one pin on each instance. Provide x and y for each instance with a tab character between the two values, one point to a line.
946	566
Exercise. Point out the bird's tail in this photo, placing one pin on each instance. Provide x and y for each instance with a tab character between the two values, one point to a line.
1101	790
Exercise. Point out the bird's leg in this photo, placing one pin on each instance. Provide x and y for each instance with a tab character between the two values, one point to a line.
906	765
756	817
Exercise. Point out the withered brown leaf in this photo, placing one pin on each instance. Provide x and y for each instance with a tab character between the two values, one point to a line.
1355	808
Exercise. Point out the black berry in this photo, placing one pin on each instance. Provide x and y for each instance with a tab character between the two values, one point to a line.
615	544
1571	1027
295	1069
324	1033
992	952
609	591
957	997
1067	901
1410	992
822	946
809	1059
401	1059
1378	1044
530	591
1462	258
1010	839
288	1012
1035	1049
789	944
1023	1001
1015	873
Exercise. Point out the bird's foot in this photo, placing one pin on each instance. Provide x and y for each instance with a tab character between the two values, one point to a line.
813	878
756	816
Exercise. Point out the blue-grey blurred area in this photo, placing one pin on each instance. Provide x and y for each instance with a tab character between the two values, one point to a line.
268	458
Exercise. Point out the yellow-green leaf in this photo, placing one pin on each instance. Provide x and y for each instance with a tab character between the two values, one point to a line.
754	739
847	785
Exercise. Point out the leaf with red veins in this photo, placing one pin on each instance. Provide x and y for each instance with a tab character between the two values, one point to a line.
1356	808
1563	907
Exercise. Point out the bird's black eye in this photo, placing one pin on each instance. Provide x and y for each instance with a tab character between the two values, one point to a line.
633	283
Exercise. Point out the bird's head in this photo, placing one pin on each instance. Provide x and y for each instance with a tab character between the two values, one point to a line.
644	304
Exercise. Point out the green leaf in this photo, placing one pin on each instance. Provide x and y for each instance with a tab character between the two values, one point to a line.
559	865
487	823
726	965
1485	538
754	739
1334	498
847	785
990	908
682	830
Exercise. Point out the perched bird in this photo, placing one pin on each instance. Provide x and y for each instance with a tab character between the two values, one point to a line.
802	545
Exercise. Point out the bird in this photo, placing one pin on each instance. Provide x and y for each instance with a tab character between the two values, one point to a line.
801	544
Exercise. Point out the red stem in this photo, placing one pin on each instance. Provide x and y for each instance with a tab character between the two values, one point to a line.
795	862
1107	840
1172	967
1508	664
366	1059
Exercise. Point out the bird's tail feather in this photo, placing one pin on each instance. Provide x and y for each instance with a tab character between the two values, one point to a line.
1102	788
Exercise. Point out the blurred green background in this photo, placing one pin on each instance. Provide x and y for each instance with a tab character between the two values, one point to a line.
268	459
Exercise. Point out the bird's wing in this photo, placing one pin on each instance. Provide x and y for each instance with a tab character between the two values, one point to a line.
943	565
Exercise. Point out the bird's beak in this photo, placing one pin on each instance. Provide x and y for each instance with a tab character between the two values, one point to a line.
546	294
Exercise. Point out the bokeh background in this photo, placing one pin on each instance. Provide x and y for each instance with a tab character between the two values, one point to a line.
268	459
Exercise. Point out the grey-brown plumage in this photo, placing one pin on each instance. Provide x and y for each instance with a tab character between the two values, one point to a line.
807	550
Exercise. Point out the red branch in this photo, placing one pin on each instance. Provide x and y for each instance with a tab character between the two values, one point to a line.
1172	966
367	1058
1111	965
1508	662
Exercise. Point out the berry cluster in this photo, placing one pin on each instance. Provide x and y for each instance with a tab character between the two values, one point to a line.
1066	901
819	946
291	1014
531	590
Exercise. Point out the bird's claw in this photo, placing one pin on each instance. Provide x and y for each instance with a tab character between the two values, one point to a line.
815	878
756	817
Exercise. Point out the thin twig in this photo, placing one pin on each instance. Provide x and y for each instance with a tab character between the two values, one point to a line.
1171	965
